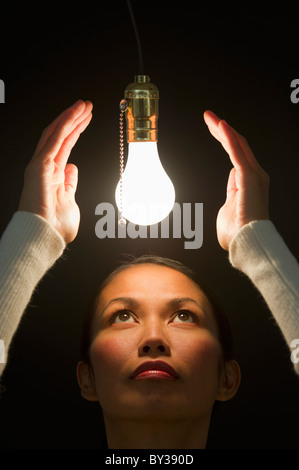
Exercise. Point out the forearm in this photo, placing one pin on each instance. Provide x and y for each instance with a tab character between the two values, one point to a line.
28	248
260	252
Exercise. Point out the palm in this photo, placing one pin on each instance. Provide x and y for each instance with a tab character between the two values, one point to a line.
67	216
247	187
58	203
51	182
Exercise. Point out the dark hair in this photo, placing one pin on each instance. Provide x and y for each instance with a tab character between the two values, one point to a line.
224	329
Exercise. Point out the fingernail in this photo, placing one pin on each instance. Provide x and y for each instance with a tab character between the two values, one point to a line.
78	102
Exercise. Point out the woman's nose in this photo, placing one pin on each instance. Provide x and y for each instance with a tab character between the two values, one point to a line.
154	343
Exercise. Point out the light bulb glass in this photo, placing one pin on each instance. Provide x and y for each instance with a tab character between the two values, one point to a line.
147	194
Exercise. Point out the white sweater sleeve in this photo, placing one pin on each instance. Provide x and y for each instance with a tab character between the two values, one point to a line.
259	251
28	248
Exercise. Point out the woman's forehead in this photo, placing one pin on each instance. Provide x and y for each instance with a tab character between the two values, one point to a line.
154	285
149	280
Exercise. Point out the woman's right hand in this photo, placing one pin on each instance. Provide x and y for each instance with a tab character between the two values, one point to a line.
50	182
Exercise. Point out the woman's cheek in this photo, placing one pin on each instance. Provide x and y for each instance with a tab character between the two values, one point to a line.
201	349
109	351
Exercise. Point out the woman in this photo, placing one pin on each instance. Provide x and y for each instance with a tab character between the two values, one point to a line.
164	346
162	358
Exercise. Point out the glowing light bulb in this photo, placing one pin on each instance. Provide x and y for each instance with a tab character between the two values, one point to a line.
146	191
145	194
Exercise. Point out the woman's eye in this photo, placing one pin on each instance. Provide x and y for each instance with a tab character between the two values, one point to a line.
123	316
184	316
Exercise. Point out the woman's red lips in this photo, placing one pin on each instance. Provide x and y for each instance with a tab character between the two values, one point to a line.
154	370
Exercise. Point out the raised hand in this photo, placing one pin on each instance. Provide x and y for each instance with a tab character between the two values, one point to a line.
50	182
248	183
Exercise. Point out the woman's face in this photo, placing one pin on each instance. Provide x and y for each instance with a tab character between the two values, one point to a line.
154	350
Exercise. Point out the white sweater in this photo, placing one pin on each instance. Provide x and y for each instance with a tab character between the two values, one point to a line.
30	246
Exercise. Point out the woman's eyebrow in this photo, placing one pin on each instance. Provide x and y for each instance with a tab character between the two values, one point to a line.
174	303
181	300
127	300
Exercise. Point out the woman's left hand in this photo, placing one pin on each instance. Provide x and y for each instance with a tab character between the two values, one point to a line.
247	187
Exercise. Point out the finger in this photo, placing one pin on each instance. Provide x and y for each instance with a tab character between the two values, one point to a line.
71	178
62	131
51	127
247	150
231	183
213	121
232	146
83	116
68	144
228	139
54	135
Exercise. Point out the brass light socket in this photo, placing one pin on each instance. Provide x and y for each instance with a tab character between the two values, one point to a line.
142	110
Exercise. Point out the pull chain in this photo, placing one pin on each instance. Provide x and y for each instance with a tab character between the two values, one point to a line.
123	107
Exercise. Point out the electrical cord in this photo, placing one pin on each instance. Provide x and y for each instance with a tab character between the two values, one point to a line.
123	107
140	58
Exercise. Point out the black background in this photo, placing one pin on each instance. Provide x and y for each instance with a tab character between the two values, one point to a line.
238	61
